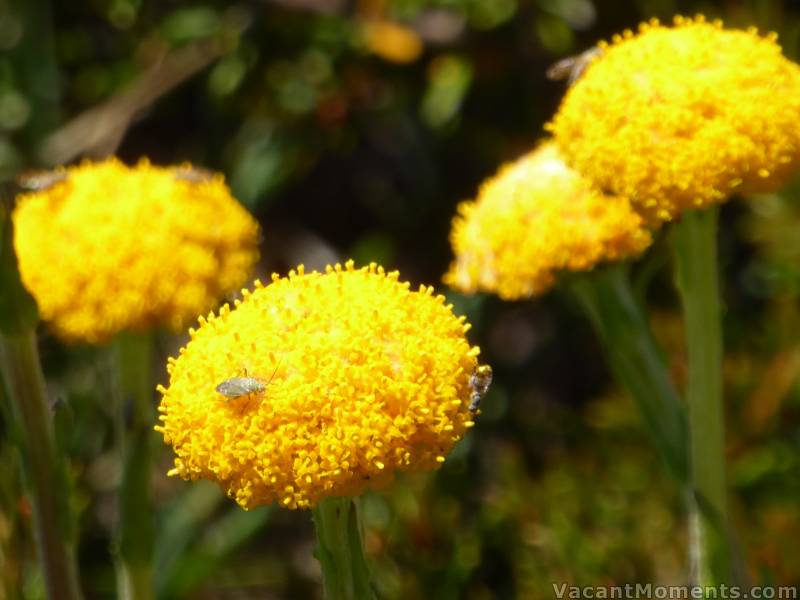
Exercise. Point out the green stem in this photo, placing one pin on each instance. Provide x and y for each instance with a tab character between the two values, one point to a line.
340	550
636	361
43	472
695	245
135	420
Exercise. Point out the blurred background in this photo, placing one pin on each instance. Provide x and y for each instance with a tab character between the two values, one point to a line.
352	129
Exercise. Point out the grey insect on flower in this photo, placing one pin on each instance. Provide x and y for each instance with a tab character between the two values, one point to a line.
572	67
236	387
193	174
40	180
479	382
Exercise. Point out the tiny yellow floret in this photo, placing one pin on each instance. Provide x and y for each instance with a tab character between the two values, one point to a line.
534	219
678	118
362	377
110	247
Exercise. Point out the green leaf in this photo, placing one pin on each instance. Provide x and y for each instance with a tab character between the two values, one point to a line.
179	525
191	23
217	543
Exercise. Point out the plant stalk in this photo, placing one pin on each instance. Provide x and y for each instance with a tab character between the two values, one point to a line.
340	550
43	472
636	360
135	416
695	245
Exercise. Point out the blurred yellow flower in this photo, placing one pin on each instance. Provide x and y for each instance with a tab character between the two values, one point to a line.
680	118
392	41
354	377
537	217
108	247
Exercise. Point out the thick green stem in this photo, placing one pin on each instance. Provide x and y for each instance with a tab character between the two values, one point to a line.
135	420
695	244
340	550
636	361
43	472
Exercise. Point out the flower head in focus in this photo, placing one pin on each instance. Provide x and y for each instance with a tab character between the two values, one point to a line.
319	384
107	247
683	117
533	219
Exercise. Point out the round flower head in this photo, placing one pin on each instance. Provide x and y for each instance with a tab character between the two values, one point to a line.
107	247
537	217
680	118
319	384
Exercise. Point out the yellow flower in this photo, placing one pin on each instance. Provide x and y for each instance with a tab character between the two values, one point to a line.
392	41
680	118
354	377
537	217
111	248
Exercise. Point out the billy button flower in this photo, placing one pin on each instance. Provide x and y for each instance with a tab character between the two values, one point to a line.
682	117
316	387
112	252
535	219
537	223
361	377
107	248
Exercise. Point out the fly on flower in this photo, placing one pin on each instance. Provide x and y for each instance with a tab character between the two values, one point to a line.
480	381
572	67
40	180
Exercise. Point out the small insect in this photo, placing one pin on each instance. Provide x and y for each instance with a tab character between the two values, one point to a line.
38	181
572	67
193	174
236	387
480	381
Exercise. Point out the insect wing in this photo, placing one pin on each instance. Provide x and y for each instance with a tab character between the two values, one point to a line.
562	69
193	174
572	67
38	181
